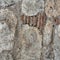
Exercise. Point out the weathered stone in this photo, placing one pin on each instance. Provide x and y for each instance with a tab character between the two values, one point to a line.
24	41
48	31
7	29
57	20
47	53
56	42
5	56
5	3
32	7
47	38
31	44
57	7
50	8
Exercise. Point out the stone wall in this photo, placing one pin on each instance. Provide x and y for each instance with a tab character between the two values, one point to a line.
29	29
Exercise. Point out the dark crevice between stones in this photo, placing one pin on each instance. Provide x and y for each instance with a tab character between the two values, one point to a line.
52	39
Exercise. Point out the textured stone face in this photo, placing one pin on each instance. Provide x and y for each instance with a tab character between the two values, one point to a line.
5	56
47	47
57	7
5	3
50	8
31	45
47	31
29	29
32	7
57	43
7	30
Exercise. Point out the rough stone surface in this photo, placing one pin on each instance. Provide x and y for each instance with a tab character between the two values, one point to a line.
5	3
47	47
48	31
5	56
50	8
57	43
7	29
32	7
31	45
57	7
34	37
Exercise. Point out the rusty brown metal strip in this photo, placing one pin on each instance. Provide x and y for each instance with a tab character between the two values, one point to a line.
35	21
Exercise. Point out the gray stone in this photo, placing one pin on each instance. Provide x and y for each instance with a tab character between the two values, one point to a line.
47	31
50	8
7	29
20	41
47	53
5	56
4	3
31	45
57	7
47	38
56	42
32	7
